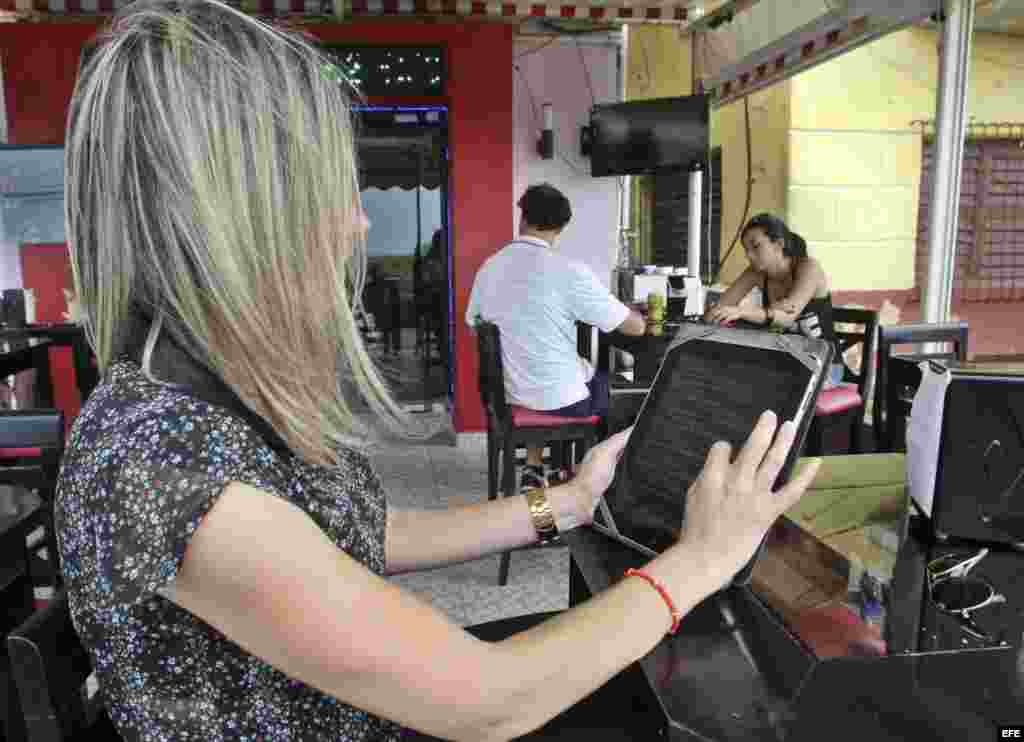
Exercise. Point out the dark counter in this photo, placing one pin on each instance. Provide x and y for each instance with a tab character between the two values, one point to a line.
734	671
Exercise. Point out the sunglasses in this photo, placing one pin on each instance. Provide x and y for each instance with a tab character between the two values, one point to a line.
953	591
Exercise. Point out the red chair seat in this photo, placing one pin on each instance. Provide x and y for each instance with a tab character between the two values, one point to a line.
524	417
838	399
20	453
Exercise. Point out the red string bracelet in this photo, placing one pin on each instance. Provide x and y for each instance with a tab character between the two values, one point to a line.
663	592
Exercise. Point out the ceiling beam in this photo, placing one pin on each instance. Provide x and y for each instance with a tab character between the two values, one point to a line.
831	34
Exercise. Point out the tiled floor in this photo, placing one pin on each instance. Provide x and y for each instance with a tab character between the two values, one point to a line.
441	475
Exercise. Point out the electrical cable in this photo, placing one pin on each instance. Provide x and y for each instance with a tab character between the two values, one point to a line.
529	94
536	49
586	71
750	187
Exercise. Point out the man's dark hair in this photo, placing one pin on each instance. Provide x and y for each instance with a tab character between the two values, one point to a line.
545	207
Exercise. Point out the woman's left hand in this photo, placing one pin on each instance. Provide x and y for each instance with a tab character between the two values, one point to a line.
726	315
593	477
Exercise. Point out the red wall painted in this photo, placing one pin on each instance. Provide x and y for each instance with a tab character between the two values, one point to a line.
44	269
40	61
39	67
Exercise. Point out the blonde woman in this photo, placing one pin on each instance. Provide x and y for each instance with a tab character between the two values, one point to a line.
223	539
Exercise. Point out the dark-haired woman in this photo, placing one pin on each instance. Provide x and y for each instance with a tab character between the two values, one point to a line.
794	286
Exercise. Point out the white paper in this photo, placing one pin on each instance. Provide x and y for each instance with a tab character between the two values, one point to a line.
924	432
644	286
694	296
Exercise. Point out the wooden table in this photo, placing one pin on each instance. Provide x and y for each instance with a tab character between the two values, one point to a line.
22	354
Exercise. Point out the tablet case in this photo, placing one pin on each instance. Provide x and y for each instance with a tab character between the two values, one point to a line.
702	393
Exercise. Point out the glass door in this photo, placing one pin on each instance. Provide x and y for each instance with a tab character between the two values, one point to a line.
404	184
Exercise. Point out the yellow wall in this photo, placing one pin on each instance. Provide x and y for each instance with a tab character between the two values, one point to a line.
659	64
854	158
769	140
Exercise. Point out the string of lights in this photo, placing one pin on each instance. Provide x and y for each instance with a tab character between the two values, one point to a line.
392	71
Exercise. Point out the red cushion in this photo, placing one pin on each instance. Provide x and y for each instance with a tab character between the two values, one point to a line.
838	399
20	453
524	417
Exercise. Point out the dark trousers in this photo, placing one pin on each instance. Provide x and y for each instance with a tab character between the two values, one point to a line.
622	710
595	404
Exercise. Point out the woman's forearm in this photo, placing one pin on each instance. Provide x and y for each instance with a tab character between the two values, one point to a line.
542	671
755	314
423	539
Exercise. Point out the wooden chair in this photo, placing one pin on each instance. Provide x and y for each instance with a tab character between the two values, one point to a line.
846	401
510	427
50	668
899	377
31	446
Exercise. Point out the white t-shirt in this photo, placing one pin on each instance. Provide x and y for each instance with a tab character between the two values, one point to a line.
536	295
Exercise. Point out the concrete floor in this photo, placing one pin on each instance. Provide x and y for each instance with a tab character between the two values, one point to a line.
438	475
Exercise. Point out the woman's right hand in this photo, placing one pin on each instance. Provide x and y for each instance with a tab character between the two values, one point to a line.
731	505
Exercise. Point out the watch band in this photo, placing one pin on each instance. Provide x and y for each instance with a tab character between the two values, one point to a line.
542	516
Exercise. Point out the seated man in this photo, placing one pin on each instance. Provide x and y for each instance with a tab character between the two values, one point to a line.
535	296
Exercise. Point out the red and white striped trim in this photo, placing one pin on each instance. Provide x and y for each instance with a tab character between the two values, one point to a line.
599	12
61	7
746	81
584	11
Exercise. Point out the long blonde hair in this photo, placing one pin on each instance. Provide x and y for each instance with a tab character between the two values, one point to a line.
211	182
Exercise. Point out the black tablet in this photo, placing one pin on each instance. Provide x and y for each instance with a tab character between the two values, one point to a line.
713	384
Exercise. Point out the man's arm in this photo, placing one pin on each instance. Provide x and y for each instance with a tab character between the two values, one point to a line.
473	306
634	324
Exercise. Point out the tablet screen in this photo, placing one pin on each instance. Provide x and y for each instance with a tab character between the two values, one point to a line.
706	391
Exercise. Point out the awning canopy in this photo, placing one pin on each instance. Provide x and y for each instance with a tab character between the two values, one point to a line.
400	161
678	12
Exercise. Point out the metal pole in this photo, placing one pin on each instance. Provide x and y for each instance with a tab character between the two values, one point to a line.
950	128
693	231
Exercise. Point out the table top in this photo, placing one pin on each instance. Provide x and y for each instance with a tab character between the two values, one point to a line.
13	346
57	331
734	672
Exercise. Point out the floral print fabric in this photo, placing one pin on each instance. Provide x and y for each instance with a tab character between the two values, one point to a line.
143	465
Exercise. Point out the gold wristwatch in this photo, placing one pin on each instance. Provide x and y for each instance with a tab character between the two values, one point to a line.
542	516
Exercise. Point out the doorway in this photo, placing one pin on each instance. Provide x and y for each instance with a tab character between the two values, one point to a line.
403	169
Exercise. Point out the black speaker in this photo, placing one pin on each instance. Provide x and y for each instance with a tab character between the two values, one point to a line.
14	307
979	483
